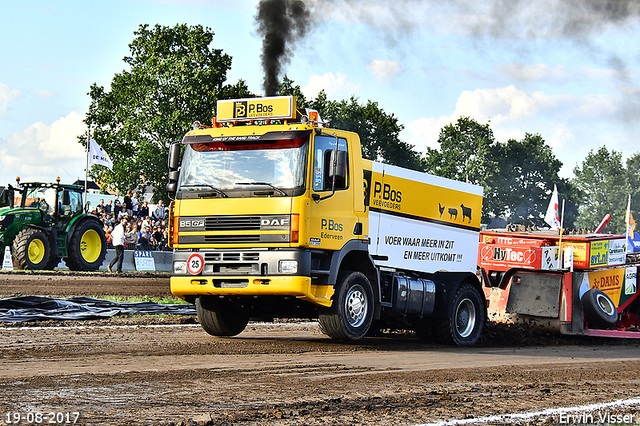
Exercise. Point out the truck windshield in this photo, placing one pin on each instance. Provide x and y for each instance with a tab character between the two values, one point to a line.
278	164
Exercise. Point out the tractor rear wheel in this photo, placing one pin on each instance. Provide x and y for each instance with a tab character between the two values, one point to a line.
31	249
87	247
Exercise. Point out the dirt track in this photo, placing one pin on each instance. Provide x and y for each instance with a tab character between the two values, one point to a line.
148	370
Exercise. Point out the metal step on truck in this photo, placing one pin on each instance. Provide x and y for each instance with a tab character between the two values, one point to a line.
592	289
277	215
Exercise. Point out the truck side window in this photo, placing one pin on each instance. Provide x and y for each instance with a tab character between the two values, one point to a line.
321	162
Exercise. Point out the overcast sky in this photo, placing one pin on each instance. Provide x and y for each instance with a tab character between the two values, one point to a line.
567	70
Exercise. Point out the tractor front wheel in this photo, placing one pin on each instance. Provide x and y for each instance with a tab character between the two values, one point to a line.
87	247
31	249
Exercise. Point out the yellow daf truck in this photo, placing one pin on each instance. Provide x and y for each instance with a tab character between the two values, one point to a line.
276	215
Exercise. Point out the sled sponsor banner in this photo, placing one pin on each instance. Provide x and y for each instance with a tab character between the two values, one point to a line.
611	281
597	254
630	287
617	252
423	247
504	257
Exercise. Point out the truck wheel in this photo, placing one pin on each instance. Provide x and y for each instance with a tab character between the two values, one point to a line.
221	317
351	312
464	324
87	247
31	249
599	309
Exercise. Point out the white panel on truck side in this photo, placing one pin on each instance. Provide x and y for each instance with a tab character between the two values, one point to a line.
423	222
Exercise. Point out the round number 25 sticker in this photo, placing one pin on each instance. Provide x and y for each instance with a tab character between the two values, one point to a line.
195	264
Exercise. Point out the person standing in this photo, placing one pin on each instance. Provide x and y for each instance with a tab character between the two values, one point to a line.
117	206
144	209
134	204
118	242
159	212
127	205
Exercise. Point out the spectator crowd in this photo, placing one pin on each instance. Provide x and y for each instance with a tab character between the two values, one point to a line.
145	230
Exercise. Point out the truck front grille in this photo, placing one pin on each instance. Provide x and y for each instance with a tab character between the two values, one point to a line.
230	239
232	223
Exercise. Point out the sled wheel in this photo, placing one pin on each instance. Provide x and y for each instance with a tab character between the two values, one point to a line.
351	312
599	309
221	317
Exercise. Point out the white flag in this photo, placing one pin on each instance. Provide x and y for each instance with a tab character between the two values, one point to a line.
98	155
552	217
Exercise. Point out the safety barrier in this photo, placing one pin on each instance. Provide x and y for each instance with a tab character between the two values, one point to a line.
134	260
141	260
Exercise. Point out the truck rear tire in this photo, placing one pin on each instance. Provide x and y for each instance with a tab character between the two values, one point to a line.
87	247
599	309
31	249
351	312
221	317
463	326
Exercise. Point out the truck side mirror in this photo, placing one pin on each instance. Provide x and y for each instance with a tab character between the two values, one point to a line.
173	163
171	188
338	169
174	156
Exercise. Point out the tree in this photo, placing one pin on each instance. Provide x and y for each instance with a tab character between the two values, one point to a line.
466	153
604	187
633	174
379	131
526	172
174	78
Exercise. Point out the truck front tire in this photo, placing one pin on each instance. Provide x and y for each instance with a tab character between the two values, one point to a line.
31	249
463	326
351	312
221	317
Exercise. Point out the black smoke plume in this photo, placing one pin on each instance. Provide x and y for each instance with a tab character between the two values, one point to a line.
281	23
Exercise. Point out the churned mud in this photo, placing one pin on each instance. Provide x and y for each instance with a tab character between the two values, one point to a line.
168	371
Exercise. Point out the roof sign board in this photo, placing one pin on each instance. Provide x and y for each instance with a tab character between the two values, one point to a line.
276	107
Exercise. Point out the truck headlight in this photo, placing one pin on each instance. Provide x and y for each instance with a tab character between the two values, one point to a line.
288	266
180	267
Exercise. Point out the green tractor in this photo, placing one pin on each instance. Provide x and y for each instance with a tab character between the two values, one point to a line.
45	222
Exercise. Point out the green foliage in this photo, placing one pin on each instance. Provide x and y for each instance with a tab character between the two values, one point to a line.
633	174
517	176
174	77
603	185
466	153
521	188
